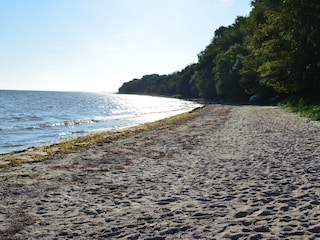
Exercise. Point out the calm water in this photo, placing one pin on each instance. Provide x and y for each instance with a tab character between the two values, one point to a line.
33	118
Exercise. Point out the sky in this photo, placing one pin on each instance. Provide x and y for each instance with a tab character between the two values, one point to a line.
97	45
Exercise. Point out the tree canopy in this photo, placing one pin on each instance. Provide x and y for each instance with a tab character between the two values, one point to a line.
274	50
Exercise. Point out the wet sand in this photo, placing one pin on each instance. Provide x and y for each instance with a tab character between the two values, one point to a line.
225	172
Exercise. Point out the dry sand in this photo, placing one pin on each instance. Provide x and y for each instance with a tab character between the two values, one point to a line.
227	172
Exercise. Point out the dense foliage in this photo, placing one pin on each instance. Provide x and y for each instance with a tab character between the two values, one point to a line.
273	51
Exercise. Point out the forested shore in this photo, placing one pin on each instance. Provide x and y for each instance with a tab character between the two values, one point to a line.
272	52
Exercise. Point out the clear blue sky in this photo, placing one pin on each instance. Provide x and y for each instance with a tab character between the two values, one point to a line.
96	45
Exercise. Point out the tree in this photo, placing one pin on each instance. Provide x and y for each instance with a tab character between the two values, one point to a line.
283	51
228	65
274	50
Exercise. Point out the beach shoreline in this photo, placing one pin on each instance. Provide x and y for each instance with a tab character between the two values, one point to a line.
33	119
221	172
40	153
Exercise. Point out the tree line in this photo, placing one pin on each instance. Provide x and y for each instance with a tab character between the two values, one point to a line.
273	51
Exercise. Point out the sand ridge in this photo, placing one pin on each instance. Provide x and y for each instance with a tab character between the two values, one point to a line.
230	172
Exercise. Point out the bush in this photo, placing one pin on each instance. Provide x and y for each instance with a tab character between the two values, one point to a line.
303	107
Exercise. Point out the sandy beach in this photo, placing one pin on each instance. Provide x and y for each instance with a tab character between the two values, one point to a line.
224	172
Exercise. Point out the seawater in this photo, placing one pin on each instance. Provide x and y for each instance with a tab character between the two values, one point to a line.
34	118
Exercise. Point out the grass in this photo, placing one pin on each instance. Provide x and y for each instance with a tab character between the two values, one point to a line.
303	106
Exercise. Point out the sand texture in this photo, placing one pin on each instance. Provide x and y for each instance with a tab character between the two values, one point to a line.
227	172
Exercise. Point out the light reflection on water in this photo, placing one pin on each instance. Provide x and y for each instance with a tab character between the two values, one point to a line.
33	118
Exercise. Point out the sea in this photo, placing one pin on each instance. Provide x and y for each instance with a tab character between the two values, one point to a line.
36	118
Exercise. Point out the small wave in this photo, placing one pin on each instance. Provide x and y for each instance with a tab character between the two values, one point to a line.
73	133
66	123
82	122
32	127
23	118
62	115
17	118
12	145
113	118
77	122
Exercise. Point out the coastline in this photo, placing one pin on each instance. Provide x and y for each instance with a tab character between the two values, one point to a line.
223	172
41	118
79	143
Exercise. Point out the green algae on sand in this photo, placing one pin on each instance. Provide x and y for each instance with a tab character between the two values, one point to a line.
35	154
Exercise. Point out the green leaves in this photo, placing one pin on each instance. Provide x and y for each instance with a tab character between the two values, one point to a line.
275	50
283	54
